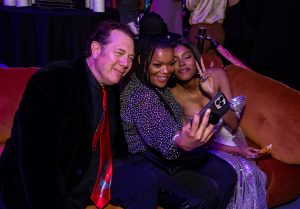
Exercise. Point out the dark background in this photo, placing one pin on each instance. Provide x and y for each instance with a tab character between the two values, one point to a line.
32	36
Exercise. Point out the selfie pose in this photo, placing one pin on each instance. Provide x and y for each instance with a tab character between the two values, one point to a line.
158	139
193	89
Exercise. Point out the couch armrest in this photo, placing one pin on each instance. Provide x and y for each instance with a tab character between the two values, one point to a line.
12	84
271	114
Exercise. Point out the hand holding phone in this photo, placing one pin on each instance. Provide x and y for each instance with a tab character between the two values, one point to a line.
218	105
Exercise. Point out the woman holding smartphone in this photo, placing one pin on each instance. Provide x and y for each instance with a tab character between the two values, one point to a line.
158	139
193	88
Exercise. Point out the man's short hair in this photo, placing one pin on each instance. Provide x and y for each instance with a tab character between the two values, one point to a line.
103	31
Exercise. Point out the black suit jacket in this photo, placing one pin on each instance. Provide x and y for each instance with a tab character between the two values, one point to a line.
50	148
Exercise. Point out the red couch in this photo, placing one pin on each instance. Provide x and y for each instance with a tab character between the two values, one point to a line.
12	85
271	115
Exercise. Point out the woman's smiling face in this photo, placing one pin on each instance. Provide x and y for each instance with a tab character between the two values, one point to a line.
185	68
161	66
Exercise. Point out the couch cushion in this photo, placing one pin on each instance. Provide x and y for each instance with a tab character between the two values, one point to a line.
283	181
271	115
12	85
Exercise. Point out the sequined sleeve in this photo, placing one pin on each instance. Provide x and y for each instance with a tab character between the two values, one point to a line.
146	121
237	104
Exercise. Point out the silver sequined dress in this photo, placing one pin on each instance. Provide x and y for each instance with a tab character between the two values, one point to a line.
250	192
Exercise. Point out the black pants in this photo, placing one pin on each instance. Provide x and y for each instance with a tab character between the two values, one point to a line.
133	187
207	185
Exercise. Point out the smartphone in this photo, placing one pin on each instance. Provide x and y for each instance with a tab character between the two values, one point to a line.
218	105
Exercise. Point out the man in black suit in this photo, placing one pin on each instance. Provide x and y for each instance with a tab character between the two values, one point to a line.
48	162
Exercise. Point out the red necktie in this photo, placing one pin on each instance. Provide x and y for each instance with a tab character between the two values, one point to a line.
101	191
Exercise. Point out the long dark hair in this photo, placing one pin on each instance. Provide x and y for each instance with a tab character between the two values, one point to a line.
143	56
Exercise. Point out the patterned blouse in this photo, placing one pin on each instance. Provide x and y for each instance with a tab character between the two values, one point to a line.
146	121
